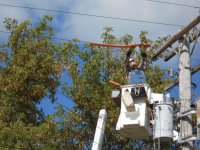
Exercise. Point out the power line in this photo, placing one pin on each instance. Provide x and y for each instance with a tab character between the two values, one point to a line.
91	15
67	108
63	106
195	59
54	38
175	92
62	94
170	3
4	31
76	114
193	47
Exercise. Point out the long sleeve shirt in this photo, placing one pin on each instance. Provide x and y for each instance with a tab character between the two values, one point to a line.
142	65
135	75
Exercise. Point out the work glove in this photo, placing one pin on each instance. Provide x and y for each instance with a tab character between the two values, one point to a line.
143	54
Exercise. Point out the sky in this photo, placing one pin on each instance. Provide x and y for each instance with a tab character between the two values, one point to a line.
89	28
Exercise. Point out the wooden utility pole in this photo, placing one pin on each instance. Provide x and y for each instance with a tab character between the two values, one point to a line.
185	92
185	136
177	36
192	38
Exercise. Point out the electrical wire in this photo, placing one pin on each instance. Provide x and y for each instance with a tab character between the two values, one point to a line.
62	94
195	59
4	32
177	4
171	3
175	92
90	15
75	114
194	43
54	38
67	108
62	105
70	110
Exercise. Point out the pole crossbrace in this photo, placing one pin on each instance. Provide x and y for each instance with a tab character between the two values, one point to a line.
186	113
193	71
192	38
177	36
187	139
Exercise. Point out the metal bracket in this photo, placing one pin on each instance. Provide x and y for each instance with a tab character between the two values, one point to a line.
186	139
176	50
186	113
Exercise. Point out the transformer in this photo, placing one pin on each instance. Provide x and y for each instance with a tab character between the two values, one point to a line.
163	122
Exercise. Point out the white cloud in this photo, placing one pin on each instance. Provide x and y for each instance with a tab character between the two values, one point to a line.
90	28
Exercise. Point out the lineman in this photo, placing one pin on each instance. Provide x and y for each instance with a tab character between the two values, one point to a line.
134	72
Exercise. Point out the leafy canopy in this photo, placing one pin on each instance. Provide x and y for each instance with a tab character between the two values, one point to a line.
33	65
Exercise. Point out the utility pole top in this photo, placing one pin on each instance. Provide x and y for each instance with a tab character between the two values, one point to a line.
177	36
192	37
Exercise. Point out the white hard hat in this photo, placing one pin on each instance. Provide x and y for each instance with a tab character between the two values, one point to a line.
131	59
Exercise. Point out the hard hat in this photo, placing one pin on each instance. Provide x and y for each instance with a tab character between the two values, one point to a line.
131	59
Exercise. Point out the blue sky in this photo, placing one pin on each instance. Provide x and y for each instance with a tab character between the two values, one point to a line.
89	29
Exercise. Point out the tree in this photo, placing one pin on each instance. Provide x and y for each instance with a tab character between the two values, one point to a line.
30	71
90	68
32	68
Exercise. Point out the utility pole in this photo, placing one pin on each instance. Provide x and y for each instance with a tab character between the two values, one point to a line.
177	36
186	137
185	92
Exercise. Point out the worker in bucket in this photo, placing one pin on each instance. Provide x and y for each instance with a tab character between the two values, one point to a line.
135	76
134	72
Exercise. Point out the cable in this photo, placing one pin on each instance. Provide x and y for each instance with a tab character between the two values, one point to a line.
90	15
62	105
54	38
194	44
62	94
175	92
57	101
69	108
77	115
4	32
170	3
195	59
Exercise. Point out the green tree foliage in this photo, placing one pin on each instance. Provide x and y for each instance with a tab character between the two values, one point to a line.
30	71
32	68
90	69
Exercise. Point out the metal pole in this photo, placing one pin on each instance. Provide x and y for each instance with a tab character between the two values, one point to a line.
185	92
100	130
